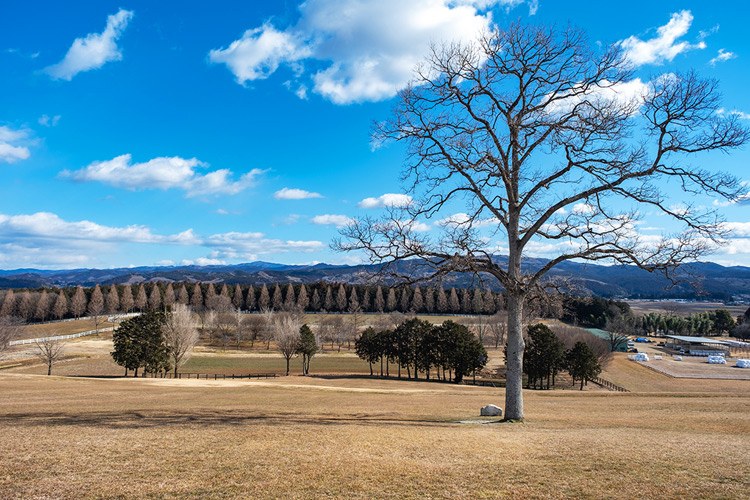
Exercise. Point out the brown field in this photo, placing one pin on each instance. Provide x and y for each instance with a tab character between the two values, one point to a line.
341	435
301	437
61	328
682	308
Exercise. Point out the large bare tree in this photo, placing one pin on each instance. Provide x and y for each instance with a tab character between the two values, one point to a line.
543	139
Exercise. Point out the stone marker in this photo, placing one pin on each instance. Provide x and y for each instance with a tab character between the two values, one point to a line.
492	411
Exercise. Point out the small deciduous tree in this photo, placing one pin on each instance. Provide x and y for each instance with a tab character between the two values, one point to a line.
250	299
277	301
180	335
141	298
379	302
290	301
61	305
25	305
126	300
618	331
9	304
78	303
112	302
10	328
264	299
341	299
196	300
96	307
182	295
42	306
285	328
169	297
50	352
328	303
237	300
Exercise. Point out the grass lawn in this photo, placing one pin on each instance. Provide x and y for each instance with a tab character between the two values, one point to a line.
275	363
335	436
308	437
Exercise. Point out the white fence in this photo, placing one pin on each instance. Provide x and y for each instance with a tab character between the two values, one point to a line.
75	335
59	337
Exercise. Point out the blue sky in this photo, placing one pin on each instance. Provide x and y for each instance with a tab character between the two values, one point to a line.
140	133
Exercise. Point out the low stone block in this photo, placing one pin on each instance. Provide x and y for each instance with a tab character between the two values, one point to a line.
491	411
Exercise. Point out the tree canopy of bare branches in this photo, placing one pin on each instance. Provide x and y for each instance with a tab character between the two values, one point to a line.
538	137
285	328
10	328
50	352
180	334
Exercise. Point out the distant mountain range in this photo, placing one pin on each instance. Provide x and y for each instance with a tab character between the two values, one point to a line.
709	280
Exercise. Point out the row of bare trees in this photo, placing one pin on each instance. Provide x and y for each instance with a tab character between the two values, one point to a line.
317	297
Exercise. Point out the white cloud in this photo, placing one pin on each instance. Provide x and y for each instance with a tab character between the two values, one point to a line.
203	261
12	145
583	209
44	239
164	263
417	226
163	173
355	51
738	229
739	114
335	220
736	246
94	50
462	219
386	200
47	121
295	194
722	56
259	52
247	246
629	95
665	46
49	226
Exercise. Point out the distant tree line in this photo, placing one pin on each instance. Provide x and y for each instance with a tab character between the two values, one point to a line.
417	346
717	322
46	304
546	355
742	328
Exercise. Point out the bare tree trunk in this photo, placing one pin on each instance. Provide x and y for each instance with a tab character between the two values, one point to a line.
49	369
514	361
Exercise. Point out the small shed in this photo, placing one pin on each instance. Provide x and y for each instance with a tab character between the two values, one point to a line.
697	346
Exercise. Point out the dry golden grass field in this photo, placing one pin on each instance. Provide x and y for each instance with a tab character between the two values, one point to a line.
341	435
682	308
